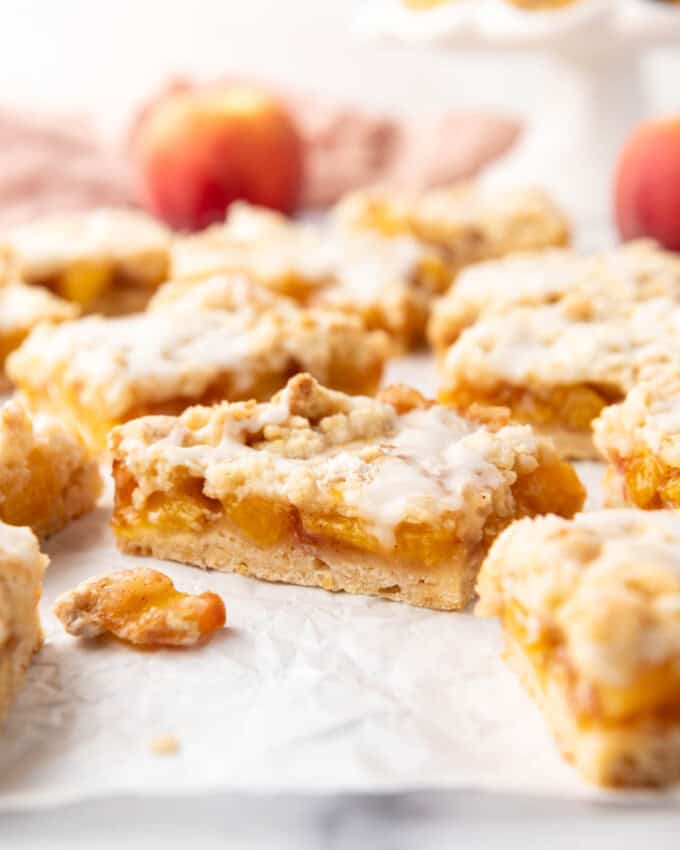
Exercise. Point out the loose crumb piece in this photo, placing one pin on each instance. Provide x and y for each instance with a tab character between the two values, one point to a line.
165	745
140	606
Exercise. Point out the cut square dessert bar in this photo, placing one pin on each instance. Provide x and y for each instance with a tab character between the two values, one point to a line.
640	439
23	307
389	283
395	497
466	223
108	260
589	608
21	572
557	367
47	477
601	284
97	372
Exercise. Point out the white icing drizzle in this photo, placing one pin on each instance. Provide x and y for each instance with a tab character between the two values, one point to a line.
430	463
103	233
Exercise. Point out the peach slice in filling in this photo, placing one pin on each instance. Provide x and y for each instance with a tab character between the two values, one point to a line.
648	481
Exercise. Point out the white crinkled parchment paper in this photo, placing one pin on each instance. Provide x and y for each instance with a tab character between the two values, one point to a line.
305	691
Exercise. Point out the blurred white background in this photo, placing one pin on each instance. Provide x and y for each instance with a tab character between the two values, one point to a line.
108	55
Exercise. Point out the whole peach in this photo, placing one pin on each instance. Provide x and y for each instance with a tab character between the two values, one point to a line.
647	190
199	150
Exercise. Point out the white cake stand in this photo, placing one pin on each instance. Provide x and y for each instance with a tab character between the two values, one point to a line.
597	46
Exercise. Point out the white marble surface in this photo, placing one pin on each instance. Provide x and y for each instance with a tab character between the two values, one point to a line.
419	821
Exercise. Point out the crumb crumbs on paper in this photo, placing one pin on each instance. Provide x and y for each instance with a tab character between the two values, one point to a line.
140	606
165	745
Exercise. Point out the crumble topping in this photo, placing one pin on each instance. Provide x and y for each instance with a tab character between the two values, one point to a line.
548	346
108	234
607	582
326	451
22	307
275	250
151	357
232	292
592	285
649	417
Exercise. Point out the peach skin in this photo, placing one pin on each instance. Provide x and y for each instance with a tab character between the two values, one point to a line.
199	150
647	190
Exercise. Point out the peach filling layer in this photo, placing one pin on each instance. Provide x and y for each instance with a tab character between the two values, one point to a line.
655	693
573	407
266	523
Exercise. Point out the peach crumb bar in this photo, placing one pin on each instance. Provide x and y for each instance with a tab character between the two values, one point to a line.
107	260
21	571
640	439
602	283
23	307
47	477
589	608
97	372
466	223
395	497
389	283
557	368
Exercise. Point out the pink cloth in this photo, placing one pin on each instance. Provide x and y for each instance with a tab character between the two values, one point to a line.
50	164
